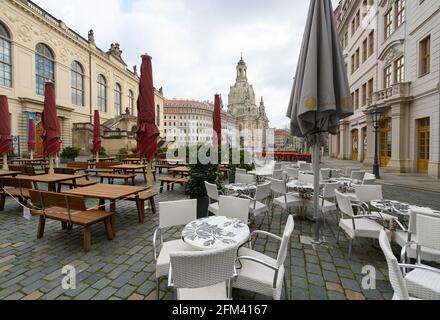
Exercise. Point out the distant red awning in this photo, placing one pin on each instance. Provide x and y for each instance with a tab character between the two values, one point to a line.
31	135
217	120
96	132
5	127
51	126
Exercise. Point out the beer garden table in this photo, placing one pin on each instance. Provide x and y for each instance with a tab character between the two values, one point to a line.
7	173
53	179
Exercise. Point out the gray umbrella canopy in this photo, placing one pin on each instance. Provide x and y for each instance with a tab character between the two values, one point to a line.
321	94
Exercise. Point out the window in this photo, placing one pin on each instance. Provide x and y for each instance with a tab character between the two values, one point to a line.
371	43
353	26
425	56
399	70
387	74
370	89
44	66
118	99
358	19
399	9
388	24
356	99
102	93
5	57
364	95
77	83
357	55
364	50
131	101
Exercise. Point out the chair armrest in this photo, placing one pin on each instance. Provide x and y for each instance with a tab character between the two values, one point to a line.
420	267
404	250
400	225
246	197
263	263
170	277
265	233
154	243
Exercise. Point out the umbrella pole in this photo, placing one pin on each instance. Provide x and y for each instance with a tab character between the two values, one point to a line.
97	157
51	161
316	215
32	154
5	162
149	174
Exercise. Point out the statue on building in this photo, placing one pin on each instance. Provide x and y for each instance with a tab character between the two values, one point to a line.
91	37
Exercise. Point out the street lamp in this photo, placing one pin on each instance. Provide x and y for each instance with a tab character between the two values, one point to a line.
376	116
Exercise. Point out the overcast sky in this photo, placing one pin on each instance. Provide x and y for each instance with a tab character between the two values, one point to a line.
196	44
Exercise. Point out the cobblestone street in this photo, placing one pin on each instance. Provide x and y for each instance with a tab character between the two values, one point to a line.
125	269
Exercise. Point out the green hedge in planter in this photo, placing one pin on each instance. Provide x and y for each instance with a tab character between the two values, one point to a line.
70	153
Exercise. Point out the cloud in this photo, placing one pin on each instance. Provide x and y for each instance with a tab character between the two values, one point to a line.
196	44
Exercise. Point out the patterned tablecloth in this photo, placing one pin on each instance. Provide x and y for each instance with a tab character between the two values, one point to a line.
241	188
397	207
215	233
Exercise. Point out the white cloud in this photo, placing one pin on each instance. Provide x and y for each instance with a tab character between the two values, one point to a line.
196	44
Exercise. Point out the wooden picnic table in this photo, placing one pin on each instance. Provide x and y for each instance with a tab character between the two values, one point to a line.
7	173
111	193
180	170
131	168
53	179
132	160
33	162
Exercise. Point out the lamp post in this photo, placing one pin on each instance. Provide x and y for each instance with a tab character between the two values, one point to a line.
376	115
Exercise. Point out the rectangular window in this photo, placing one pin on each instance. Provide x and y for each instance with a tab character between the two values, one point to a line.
370	89
357	54
358	19
353	26
399	9
364	50
356	98
387	76
399	70
425	56
388	24
371	43
352	64
364	95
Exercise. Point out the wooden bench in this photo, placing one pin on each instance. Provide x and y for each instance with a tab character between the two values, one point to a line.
103	167
69	210
78	183
78	166
146	196
170	182
16	188
118	176
160	167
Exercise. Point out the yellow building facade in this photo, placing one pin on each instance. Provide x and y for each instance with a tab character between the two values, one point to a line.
35	47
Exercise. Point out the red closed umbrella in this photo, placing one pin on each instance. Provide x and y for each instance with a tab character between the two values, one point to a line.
31	137
217	120
147	131
96	134
5	127
51	126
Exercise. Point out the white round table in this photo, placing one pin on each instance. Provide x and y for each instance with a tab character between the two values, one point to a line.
241	188
215	233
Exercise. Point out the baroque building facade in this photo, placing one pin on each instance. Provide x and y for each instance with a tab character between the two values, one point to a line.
392	51
35	47
251	121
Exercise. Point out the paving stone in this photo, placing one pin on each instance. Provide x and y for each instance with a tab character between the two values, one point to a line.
147	287
34	295
299	282
87	294
351	295
332	295
315	279
317	292
125	291
105	293
313	268
123	279
346	273
334	287
299	294
350	284
331	276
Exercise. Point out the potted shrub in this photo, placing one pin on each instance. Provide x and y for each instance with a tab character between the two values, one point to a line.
241	165
195	188
69	154
134	150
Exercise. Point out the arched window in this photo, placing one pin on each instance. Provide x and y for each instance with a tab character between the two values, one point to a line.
102	93
77	83
44	66
118	100
131	102
158	115
5	57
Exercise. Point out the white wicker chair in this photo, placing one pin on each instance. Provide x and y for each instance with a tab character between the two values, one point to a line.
306	178
260	273
305	166
292	173
358	175
367	193
278	175
369	178
325	174
240	171
213	195
234	208
421	283
258	203
171	214
356	226
349	170
287	200
245	178
203	275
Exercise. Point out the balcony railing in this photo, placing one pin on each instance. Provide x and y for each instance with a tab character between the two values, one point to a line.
395	92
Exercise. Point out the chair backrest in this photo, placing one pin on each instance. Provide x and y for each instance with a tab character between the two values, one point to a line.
52	199
305	167
177	213
428	231
367	193
245	178
336	173
292	173
344	204
9	182
349	170
277	174
199	269
16	167
263	191
288	230
369	178
395	274
329	190
78	165
107	164
325	174
358	175
234	208
240	171
70	171
306	178
278	166
29	170
211	190
278	186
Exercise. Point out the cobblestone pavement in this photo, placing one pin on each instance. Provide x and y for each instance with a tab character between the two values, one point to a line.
125	269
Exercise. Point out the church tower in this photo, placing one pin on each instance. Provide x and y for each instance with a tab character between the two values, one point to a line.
241	71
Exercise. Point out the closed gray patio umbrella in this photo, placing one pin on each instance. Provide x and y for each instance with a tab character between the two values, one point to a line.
321	95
